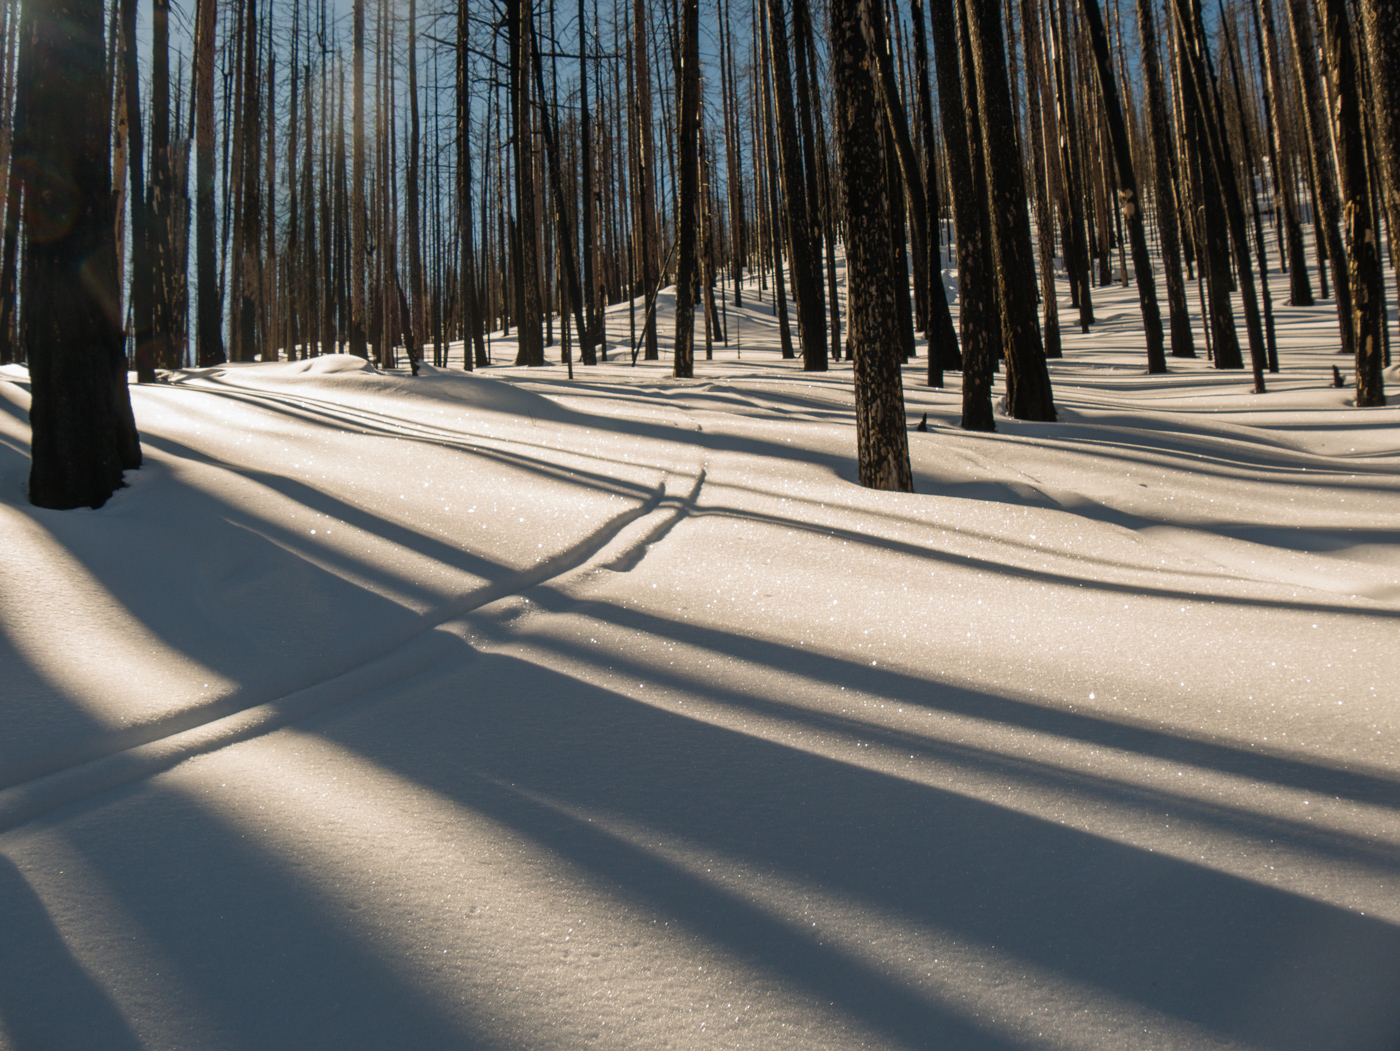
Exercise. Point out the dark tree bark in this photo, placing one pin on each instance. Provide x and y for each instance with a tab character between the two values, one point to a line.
1128	198
1040	116
209	339
142	270
882	440
688	160
164	348
590	335
1323	171
804	269
1168	223
1281	154
1200	86
1363	238
1381	19
645	152
357	262
415	334
774	212
942	337
977	315
1077	262
84	434
529	312
1028	393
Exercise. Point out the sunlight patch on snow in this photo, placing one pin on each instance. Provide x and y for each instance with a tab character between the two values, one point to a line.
93	650
487	921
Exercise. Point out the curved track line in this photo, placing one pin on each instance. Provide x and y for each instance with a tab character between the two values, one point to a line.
412	652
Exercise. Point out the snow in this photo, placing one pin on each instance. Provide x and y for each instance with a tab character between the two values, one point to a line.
500	710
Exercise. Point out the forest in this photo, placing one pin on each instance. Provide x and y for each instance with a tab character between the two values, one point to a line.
814	524
281	181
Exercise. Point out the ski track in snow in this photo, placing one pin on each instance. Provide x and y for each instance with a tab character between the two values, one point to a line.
508	711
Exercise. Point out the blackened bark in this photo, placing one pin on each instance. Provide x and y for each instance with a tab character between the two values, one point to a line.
1381	19
1323	170
529	312
209	339
804	268
1128	198
882	440
1363	240
942	337
977	317
688	159
1281	154
84	434
1028	392
1168	223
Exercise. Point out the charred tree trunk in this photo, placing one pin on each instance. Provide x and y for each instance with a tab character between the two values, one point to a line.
1363	240
1028	392
1168	221
209	304
1323	171
1128	198
804	269
688	161
882	440
977	315
83	431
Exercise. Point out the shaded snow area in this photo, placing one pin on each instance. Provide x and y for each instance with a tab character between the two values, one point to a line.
502	711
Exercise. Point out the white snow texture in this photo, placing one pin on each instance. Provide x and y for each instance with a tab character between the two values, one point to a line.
504	711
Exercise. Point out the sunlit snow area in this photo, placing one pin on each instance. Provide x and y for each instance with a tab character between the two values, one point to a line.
507	711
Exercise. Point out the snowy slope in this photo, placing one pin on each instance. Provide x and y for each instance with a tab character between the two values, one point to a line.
508	711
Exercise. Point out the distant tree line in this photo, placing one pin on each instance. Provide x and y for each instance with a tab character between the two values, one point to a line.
264	181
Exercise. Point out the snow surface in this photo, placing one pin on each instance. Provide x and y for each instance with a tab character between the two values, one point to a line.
500	710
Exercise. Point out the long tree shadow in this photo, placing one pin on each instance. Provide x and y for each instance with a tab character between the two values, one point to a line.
1244	960
266	963
48	1000
882	682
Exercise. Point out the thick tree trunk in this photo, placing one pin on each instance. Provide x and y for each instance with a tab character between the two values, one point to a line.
1363	237
1028	392
882	439
83	432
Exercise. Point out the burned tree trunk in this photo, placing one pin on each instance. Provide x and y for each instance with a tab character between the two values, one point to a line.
1127	191
1028	393
882	440
1363	238
84	434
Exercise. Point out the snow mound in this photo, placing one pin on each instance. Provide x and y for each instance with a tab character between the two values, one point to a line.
340	375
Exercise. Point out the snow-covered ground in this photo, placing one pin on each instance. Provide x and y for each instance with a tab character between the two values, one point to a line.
508	711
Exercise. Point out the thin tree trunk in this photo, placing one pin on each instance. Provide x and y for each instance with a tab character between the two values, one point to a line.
1128	198
688	160
977	316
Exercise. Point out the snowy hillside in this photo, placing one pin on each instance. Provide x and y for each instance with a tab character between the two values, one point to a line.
500	710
